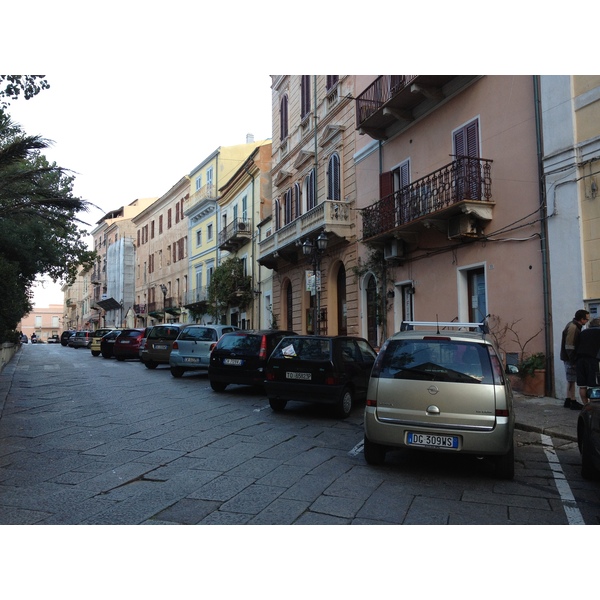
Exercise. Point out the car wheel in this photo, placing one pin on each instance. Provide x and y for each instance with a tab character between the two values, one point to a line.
505	464
374	453
177	372
150	365
344	406
218	386
95	353
120	358
106	355
588	470
277	404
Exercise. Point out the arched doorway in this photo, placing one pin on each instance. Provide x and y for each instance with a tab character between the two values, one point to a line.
371	301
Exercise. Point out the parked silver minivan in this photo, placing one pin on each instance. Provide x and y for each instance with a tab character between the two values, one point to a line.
440	387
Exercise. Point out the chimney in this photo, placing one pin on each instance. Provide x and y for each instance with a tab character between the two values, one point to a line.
249	138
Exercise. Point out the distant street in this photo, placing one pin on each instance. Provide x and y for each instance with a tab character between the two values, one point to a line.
86	440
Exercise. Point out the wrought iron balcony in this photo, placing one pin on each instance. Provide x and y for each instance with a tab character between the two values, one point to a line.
331	216
462	186
235	235
400	99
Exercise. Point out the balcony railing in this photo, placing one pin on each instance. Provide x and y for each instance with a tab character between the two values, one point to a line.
208	191
236	234
382	90
333	216
196	295
463	179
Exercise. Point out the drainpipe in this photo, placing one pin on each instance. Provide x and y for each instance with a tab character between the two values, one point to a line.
253	263
549	388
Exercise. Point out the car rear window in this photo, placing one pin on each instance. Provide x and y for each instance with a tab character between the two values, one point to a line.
435	360
199	334
164	332
304	349
249	343
132	333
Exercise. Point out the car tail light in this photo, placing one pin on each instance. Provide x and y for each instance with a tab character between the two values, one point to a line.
502	412
213	346
331	380
371	402
270	376
175	346
262	355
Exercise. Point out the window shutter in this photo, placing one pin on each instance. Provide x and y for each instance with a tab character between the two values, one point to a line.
386	184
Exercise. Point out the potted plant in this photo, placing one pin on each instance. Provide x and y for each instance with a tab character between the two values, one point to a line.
532	373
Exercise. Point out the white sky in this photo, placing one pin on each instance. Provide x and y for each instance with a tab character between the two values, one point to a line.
140	93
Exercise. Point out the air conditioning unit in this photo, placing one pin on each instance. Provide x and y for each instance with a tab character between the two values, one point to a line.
462	226
393	249
242	226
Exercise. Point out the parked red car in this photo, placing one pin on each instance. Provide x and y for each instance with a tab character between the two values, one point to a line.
127	344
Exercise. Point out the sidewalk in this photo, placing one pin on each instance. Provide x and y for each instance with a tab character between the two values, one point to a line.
545	415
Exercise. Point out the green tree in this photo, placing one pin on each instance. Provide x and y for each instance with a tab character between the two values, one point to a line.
229	287
12	86
40	232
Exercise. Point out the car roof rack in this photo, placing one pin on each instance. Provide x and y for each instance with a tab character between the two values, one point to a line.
410	325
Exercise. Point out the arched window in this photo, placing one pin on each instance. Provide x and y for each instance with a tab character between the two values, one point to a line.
305	96
277	215
310	190
333	178
283	118
287	206
297	211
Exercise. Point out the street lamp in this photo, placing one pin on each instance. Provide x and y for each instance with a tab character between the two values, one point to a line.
315	251
163	289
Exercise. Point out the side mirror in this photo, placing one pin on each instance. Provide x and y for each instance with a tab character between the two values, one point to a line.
512	369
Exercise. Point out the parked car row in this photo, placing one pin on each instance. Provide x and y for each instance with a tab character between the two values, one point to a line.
436	387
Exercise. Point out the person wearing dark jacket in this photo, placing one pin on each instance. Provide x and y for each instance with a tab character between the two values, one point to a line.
587	351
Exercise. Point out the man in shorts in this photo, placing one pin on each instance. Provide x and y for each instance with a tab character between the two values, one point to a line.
570	335
588	351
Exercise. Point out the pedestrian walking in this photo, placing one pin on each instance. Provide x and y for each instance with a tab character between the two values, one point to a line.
587	350
570	335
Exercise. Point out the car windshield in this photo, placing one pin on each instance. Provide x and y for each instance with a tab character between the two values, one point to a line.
304	349
199	334
164	332
436	360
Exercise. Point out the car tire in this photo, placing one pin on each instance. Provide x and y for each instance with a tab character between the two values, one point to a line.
344	407
106	355
95	353
277	404
374	453
120	358
588	471
218	386
177	371
505	464
150	364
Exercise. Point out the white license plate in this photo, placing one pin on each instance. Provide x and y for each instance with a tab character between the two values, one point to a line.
303	376
124	341
191	360
432	440
160	346
235	362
